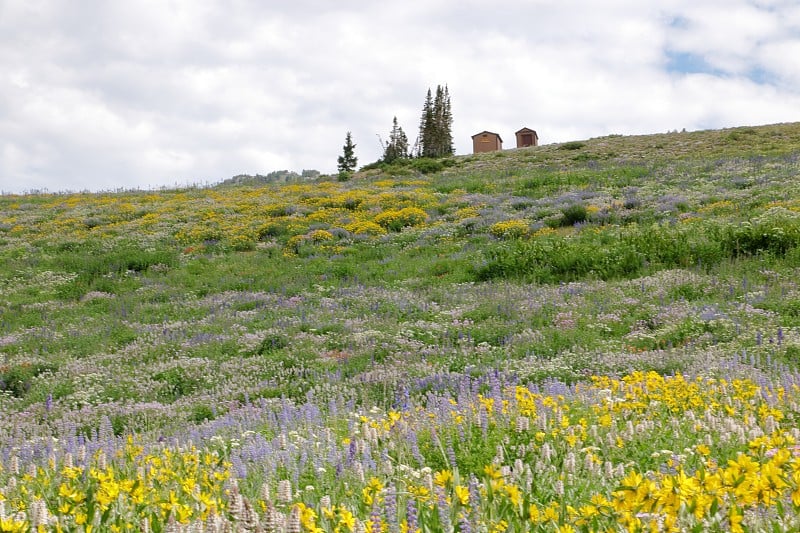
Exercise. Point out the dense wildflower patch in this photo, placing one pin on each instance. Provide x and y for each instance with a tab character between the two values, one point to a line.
576	458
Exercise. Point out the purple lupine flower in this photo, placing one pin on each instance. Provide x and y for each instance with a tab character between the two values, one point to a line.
411	515
451	453
411	436
463	523
390	508
474	497
375	516
351	451
443	508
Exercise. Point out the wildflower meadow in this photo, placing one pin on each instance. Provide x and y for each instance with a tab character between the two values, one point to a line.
594	336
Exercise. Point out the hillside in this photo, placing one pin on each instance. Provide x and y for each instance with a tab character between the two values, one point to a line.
449	316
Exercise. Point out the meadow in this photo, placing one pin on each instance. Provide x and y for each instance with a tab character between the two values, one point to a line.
600	335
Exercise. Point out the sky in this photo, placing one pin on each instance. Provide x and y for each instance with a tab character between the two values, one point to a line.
105	95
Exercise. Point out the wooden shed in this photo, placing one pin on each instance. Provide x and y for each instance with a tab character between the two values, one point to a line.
527	137
486	141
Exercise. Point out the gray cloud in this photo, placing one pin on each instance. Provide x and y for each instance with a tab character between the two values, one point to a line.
102	95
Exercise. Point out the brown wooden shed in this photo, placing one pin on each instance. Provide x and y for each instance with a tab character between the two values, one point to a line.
486	141
527	137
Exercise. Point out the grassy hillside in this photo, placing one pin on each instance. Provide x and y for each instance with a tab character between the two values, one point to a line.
598	301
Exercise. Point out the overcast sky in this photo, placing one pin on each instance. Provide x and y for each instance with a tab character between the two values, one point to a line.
106	94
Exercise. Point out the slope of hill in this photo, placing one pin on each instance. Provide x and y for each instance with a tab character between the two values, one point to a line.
523	309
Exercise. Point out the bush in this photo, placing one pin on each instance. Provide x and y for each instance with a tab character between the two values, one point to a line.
397	219
201	413
510	229
572	145
272	343
427	165
177	383
776	232
365	227
574	214
17	379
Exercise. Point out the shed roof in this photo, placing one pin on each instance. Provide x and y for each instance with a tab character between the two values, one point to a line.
490	133
525	130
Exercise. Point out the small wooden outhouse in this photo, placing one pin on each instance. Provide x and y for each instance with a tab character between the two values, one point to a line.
486	141
527	137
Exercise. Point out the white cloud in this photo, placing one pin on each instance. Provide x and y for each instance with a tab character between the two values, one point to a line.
103	95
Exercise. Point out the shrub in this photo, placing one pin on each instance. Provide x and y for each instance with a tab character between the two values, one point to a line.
241	243
320	235
574	214
177	383
17	379
776	231
397	219
271	229
510	229
272	343
427	165
365	227
572	145
201	413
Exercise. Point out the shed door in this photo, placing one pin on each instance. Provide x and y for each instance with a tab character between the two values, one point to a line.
527	139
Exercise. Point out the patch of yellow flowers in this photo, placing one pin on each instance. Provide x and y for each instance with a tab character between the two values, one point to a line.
178	486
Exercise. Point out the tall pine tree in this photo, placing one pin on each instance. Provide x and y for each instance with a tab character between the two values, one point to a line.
444	121
435	128
426	128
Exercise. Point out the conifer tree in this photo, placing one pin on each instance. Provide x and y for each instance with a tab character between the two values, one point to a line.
435	130
444	122
426	128
397	147
348	161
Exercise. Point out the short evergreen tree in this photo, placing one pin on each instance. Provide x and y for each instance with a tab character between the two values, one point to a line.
348	160
397	147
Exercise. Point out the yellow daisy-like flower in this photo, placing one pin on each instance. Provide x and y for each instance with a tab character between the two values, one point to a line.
462	494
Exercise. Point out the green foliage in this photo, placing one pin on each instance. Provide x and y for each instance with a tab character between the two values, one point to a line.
776	231
272	343
92	264
201	413
177	383
572	145
548	260
574	214
17	379
427	165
